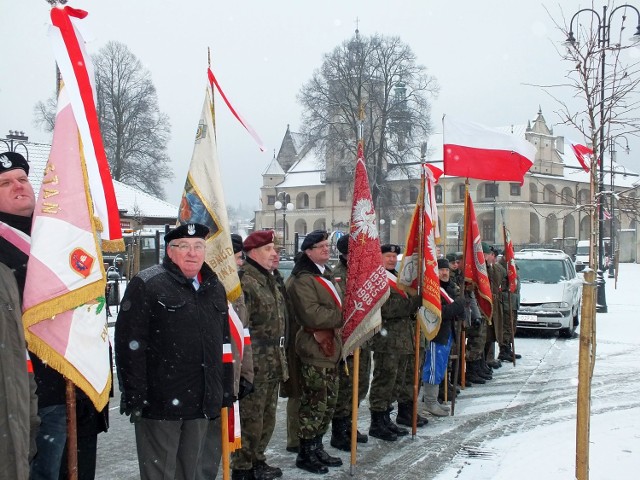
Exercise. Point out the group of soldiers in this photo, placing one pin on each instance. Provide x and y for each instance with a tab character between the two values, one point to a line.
296	347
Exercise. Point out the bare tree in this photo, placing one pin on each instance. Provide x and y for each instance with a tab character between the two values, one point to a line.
381	75
134	131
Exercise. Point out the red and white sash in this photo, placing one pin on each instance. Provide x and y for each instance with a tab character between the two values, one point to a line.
330	287
393	283
15	237
446	296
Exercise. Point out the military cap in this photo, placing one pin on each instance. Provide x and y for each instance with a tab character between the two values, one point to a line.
236	242
443	263
451	257
11	161
459	255
495	251
486	248
343	244
312	238
259	239
187	230
390	248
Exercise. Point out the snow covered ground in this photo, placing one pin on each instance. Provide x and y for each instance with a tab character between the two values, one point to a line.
521	425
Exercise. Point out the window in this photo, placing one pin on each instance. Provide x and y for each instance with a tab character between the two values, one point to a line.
461	192
515	189
491	190
413	194
488	230
271	199
342	194
438	192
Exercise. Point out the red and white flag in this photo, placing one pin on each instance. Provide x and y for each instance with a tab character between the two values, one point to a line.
64	304
475	268
77	72
510	258
430	312
367	284
582	153
472	150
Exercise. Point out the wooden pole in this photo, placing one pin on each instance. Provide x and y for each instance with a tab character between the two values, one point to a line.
416	381
355	375
224	425
72	432
456	372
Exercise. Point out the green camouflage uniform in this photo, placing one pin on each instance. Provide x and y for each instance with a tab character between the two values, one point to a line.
320	317
392	348
513	311
497	275
266	318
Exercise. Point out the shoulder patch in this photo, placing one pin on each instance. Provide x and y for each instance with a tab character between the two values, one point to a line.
148	273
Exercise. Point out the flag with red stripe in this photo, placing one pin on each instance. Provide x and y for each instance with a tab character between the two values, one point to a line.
475	268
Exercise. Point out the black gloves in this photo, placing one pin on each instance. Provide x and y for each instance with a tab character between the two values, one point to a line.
459	304
245	388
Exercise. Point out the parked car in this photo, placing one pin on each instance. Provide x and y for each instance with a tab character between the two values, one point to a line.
550	291
285	268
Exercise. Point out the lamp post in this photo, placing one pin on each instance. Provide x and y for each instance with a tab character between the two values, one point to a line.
283	207
612	218
604	37
15	140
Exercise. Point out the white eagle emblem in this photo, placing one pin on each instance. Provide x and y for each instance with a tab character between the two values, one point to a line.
364	219
5	162
191	229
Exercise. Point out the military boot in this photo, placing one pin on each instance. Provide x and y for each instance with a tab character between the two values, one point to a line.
379	429
405	416
340	437
391	425
360	437
307	459
472	375
264	471
324	457
482	370
241	474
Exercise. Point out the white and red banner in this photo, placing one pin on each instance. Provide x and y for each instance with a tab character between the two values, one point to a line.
64	305
203	200
367	285
77	73
475	268
510	258
424	228
472	150
582	153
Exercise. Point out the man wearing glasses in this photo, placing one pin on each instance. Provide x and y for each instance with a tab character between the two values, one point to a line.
318	310
170	336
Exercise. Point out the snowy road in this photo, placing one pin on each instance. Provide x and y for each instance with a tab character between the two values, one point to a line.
519	425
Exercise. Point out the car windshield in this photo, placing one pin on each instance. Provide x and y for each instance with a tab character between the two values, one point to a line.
541	271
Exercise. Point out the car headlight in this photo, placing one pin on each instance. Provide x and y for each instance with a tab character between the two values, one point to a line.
555	305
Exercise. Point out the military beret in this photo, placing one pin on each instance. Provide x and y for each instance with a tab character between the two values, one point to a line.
451	257
486	248
259	239
443	263
187	230
343	244
236	242
390	248
495	251
459	255
11	161
312	238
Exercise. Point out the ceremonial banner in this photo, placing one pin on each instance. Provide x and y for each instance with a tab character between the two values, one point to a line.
510	258
430	312
475	268
64	305
77	72
367	285
203	200
472	150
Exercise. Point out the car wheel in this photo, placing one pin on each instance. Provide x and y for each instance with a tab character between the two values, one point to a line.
568	332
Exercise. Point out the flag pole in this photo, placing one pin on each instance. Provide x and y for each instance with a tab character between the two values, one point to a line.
354	409
463	340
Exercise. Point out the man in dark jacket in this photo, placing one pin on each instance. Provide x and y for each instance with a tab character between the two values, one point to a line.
171	339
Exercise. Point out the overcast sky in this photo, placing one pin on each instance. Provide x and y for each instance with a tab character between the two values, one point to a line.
482	53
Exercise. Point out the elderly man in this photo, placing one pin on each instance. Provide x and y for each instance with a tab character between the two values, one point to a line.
170	336
318	310
266	320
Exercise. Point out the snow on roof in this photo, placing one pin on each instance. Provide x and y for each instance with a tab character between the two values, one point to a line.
129	198
273	168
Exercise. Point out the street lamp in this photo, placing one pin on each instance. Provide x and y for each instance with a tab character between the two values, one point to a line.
604	37
16	140
283	207
612	217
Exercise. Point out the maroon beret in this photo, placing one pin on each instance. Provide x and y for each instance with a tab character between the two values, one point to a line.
259	239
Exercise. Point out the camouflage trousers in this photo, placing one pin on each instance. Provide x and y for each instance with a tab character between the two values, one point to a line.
318	400
257	421
404	383
293	422
387	368
476	339
345	390
506	328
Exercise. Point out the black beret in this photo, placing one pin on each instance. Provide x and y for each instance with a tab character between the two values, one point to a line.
443	263
187	230
236	242
343	244
390	248
259	239
459	255
11	161
451	257
312	238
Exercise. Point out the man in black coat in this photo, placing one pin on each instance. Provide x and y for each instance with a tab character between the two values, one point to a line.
173	357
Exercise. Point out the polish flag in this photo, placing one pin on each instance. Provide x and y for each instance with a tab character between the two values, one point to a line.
582	152
472	150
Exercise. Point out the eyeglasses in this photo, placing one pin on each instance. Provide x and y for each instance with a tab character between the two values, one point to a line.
323	245
186	247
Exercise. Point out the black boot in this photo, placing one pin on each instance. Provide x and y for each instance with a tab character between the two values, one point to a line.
391	425
324	457
307	459
263	471
482	370
405	416
241	474
340	437
360	437
472	374
379	429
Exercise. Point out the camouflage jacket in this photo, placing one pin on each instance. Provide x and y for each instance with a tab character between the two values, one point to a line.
266	319
515	297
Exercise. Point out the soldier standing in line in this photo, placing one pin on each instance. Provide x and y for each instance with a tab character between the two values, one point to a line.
318	309
497	276
265	307
392	347
341	423
510	313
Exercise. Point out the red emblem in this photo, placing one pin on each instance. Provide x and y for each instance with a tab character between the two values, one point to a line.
81	262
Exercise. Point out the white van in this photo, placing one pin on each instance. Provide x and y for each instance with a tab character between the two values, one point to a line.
582	253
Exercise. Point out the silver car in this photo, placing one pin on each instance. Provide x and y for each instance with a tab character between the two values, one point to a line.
550	291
